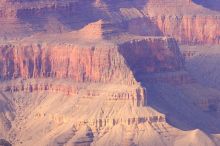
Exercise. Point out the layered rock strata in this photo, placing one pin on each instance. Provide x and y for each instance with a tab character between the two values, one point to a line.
190	29
135	94
121	64
64	61
101	123
107	76
185	20
116	64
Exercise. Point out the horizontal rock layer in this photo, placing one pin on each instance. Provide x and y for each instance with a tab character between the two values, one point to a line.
134	94
115	64
190	29
64	61
100	123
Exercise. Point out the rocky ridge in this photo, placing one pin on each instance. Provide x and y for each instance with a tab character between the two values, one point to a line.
160	18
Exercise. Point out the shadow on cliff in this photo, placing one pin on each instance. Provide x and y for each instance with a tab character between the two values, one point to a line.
181	112
137	25
5	104
4	142
117	4
206	71
170	99
211	4
72	17
77	14
178	106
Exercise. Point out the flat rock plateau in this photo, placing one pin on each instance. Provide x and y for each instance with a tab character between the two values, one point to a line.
109	72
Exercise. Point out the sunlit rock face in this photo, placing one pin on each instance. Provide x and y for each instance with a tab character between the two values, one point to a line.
185	20
91	64
64	62
194	29
109	72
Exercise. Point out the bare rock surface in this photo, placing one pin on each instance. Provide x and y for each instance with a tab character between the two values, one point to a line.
140	17
101	72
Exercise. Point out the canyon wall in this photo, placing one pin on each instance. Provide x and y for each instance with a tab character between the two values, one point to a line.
190	29
114	64
152	54
19	19
100	123
186	20
172	78
122	64
135	94
81	64
210	104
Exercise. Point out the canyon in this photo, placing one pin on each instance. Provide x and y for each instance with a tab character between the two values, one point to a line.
100	72
155	18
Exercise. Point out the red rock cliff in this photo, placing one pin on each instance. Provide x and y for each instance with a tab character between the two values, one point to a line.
190	29
115	64
63	61
186	20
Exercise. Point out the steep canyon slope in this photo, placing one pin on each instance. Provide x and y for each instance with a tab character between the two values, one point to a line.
101	72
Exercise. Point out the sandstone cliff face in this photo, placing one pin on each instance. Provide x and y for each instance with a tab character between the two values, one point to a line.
187	20
64	61
114	64
190	29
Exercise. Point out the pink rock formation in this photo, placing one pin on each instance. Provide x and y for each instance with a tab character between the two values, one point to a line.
90	64
187	21
66	64
190	29
64	61
117	64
